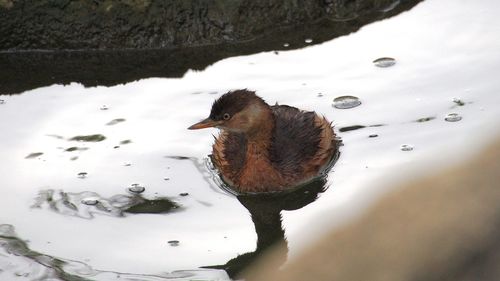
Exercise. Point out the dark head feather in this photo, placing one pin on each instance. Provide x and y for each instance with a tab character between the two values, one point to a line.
233	102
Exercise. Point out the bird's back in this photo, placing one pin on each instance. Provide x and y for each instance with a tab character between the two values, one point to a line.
302	143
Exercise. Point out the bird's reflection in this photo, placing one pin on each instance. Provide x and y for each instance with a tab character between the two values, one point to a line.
265	210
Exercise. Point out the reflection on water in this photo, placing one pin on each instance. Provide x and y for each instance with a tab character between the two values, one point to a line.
28	70
265	211
86	204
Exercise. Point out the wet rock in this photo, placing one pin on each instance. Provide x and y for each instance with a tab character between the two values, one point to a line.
117	24
188	34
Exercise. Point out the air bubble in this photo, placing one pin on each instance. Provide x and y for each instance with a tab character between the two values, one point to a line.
136	188
90	201
384	62
346	102
453	117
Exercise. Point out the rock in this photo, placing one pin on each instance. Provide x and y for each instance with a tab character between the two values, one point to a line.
115	42
443	227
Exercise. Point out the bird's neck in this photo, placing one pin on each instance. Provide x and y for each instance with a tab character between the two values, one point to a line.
259	139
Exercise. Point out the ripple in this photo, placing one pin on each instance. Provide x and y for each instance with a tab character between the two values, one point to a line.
90	201
346	102
115	121
33	155
384	62
425	119
173	243
26	264
86	204
453	117
458	102
136	188
74	148
406	147
89	138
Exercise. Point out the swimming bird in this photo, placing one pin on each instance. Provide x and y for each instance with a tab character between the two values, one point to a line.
263	148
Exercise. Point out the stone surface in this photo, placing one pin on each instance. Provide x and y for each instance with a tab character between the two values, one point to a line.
442	227
138	41
145	24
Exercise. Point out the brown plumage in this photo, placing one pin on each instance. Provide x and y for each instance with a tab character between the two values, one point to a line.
265	148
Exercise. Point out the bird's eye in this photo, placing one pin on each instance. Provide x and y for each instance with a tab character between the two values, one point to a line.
226	116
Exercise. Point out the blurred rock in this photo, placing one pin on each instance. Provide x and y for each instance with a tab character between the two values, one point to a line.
443	227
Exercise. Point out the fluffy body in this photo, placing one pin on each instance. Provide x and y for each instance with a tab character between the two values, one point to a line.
292	147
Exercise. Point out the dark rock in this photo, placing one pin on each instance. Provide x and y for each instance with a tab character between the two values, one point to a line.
136	39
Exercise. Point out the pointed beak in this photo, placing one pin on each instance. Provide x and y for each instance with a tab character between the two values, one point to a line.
207	123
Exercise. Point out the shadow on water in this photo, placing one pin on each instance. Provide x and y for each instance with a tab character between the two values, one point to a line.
26	70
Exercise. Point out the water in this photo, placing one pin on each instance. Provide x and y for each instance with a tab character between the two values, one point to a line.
46	203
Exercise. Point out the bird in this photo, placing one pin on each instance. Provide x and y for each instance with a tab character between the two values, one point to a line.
263	148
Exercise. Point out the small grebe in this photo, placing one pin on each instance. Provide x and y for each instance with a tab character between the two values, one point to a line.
264	148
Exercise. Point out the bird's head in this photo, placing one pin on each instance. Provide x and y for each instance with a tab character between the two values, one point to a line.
238	111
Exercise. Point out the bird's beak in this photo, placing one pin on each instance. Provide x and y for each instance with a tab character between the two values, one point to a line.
207	123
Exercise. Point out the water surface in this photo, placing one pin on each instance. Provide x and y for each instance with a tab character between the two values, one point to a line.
82	144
